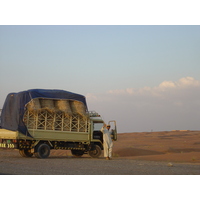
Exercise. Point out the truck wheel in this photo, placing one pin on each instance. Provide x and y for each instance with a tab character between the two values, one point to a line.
95	151
42	151
25	153
77	153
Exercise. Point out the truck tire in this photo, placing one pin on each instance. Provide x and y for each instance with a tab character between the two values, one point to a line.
95	151
42	151
77	153
25	152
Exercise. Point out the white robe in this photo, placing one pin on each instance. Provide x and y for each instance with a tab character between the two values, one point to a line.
107	142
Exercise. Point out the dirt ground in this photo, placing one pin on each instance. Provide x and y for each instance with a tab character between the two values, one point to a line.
172	146
146	153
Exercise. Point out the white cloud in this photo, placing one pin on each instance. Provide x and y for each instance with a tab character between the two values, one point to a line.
188	81
167	84
91	96
170	105
118	92
164	86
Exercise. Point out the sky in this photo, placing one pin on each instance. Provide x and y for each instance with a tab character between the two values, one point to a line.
147	78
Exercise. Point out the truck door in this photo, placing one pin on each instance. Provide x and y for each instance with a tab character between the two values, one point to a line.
113	127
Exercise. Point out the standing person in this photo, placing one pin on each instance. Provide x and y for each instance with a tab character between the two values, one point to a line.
107	141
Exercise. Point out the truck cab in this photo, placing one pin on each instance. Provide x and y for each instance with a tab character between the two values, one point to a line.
96	125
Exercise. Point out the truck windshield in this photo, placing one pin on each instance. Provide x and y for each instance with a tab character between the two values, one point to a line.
98	126
0	117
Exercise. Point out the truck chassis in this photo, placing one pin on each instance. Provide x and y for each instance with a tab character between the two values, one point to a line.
41	148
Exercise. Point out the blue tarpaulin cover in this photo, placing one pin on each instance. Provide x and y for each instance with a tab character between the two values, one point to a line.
14	106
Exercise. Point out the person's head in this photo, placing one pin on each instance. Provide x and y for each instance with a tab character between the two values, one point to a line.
108	126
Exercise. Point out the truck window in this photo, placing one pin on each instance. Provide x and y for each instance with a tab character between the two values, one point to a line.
0	117
98	126
97	134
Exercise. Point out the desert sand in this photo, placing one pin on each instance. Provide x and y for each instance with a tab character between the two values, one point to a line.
141	153
170	146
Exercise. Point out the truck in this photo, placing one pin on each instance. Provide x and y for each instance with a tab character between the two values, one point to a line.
38	120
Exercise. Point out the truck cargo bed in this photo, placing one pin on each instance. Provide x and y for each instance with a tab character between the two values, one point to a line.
59	135
55	121
46	135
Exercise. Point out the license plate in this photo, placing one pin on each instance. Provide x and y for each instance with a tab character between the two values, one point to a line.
4	145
